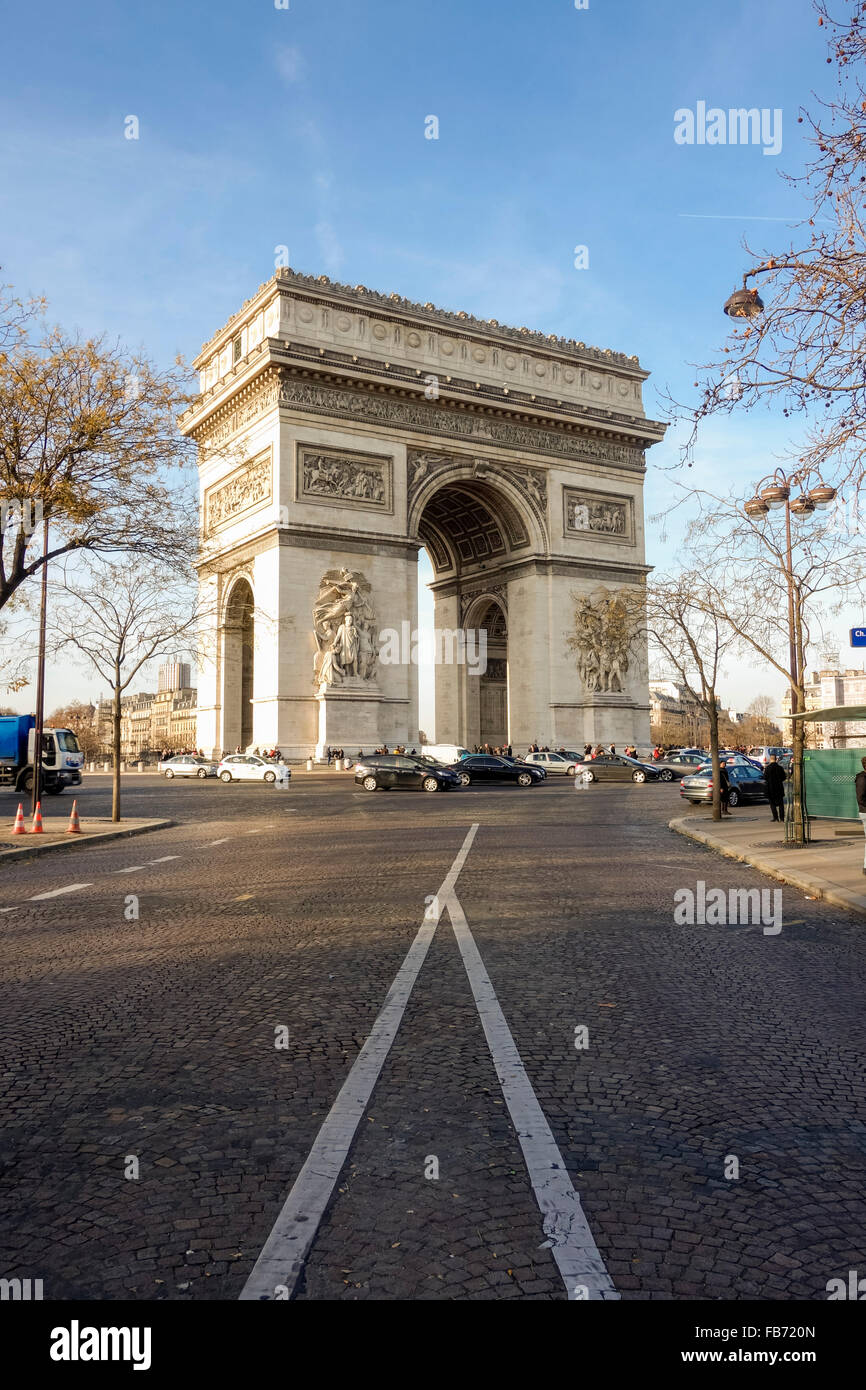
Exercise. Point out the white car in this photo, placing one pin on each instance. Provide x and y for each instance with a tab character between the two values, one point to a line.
552	763
247	767
187	765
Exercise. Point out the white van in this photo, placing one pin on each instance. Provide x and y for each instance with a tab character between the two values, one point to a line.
446	753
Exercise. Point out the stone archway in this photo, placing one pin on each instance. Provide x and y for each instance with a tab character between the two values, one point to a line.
477	526
340	430
238	666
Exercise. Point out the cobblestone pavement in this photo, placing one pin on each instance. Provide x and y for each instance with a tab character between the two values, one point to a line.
152	1041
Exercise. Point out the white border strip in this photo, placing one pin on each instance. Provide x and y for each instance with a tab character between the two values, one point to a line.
282	1258
571	1241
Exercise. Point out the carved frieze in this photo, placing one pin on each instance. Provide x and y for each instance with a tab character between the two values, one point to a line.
345	477
404	414
598	514
246	489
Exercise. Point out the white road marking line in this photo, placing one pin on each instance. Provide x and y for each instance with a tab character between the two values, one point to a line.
211	843
56	892
164	859
283	1254
131	870
572	1243
7	909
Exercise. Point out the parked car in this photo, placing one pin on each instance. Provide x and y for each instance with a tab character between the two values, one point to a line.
732	760
485	767
763	754
385	771
676	765
187	765
616	767
554	763
747	784
247	767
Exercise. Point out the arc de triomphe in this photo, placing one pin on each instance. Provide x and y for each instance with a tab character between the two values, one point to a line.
339	431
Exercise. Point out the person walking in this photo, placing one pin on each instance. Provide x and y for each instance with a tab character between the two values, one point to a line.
724	790
775	776
860	788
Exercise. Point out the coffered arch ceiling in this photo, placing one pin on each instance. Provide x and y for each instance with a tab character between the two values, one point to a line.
469	523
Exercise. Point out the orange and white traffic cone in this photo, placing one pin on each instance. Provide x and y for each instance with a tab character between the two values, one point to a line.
36	827
18	828
74	823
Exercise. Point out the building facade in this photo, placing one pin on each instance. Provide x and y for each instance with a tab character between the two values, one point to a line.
827	689
340	431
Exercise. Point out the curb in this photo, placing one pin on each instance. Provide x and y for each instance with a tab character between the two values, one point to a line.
101	837
816	887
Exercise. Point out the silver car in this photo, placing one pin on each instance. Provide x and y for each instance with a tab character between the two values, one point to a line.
187	765
552	763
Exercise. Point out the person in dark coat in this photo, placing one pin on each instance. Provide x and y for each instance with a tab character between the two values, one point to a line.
775	778
860	788
724	790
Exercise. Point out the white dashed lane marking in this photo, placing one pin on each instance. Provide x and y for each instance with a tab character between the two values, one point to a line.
211	843
164	859
57	892
133	868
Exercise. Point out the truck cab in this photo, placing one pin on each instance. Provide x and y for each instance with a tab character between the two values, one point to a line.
62	758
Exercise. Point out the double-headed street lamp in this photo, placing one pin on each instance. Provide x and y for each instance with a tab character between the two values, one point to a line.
771	494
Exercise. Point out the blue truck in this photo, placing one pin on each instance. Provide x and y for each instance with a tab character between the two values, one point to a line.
62	758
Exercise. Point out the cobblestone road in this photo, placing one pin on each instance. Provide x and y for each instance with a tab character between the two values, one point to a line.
151	1042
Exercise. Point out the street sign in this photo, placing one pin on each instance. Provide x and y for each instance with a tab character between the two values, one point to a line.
858	637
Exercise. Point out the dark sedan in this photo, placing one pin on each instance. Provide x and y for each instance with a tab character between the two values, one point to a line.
385	771
483	767
746	782
616	767
677	765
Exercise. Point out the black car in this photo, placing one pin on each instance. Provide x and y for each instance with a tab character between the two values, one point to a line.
616	767
746	783
484	767
387	770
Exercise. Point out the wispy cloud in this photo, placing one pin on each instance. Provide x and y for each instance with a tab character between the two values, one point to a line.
289	63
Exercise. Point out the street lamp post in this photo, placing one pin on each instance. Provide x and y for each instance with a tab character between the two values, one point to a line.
771	494
39	712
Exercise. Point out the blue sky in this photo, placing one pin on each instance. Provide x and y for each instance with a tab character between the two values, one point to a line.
304	127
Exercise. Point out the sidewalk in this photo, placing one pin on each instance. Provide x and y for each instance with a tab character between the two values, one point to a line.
831	867
94	830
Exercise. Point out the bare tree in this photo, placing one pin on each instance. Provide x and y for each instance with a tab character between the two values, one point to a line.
776	602
119	617
692	640
807	348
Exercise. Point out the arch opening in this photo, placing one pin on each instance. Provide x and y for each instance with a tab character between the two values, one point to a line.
239	667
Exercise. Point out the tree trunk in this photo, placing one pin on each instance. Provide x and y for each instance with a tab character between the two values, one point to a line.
115	738
713	714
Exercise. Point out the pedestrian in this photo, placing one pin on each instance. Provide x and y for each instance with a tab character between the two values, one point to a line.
587	750
774	777
612	749
509	752
328	755
860	788
724	790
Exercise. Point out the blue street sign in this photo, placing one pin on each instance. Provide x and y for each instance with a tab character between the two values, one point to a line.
858	637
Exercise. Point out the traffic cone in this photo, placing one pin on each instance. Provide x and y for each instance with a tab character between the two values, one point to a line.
36	827
18	827
74	822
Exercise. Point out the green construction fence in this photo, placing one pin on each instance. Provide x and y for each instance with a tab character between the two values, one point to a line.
829	781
